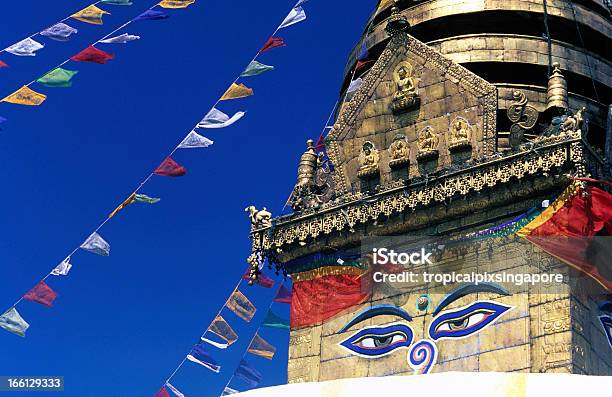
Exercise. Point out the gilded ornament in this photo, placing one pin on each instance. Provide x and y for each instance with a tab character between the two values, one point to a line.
368	160
399	151
428	143
524	117
407	95
574	122
556	94
259	218
460	134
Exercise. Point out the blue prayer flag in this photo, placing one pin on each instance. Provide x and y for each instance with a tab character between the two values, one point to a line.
150	15
248	374
200	356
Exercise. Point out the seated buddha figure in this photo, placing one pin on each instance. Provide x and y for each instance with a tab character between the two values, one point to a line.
428	142
368	160
459	133
407	93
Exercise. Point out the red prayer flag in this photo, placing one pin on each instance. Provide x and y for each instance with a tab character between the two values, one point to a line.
362	64
169	167
92	54
162	392
273	42
42	294
3	65
320	145
283	295
262	279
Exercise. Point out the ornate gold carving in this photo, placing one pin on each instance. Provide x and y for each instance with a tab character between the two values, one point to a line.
523	116
368	160
556	94
428	143
574	122
399	151
259	219
407	95
460	134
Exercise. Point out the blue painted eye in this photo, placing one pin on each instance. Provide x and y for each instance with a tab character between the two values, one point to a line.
376	342
467	320
606	322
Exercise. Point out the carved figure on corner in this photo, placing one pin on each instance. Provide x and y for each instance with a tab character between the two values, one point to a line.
574	122
259	218
407	95
368	160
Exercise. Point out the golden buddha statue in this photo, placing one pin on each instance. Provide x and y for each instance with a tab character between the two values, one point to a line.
428	143
399	151
460	133
368	160
407	94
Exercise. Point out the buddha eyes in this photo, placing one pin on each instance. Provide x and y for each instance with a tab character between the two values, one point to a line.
375	342
466	321
606	322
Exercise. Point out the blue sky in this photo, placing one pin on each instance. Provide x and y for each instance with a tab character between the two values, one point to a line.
122	323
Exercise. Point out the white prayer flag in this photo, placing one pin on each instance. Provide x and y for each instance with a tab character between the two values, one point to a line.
174	390
13	322
195	140
217	119
355	84
96	245
25	48
121	39
295	15
59	32
228	390
63	268
215	344
301	2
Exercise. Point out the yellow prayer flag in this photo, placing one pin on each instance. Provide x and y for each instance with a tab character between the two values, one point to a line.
127	202
237	91
176	3
222	329
25	96
241	306
261	348
91	14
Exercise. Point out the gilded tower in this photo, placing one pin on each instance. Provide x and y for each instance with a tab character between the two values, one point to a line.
464	122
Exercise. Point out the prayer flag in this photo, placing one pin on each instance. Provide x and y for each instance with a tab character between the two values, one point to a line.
262	279
194	140
228	391
363	53
121	206
176	3
296	15
162	392
261	348
248	374
301	2
174	390
58	77
256	68
218	345
200	356
275	321
361	64
92	54
3	65
236	91
273	42
90	14
217	119
96	245
13	322
151	15
169	167
59	32
118	2
121	39
320	145
143	198
283	295
241	306
223	330
25	48
63	268
42	294
25	96
355	85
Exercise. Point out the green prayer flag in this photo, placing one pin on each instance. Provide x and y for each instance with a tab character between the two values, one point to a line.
118	2
13	322
275	321
143	198
255	68
58	77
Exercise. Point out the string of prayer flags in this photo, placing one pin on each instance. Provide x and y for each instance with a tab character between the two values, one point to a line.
169	167
296	15
163	392
121	39
273	320
241	306
96	245
58	77
90	14
283	295
176	3
121	206
151	15
248	374
143	198
273	42
236	91
261	347
118	2
223	330
92	54
262	279
13	322
3	65
42	294
194	140
63	268
25	48
217	119
256	68
229	391
25	96
174	390
200	356
59	32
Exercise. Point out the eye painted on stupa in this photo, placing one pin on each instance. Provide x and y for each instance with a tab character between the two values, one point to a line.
466	321
378	341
